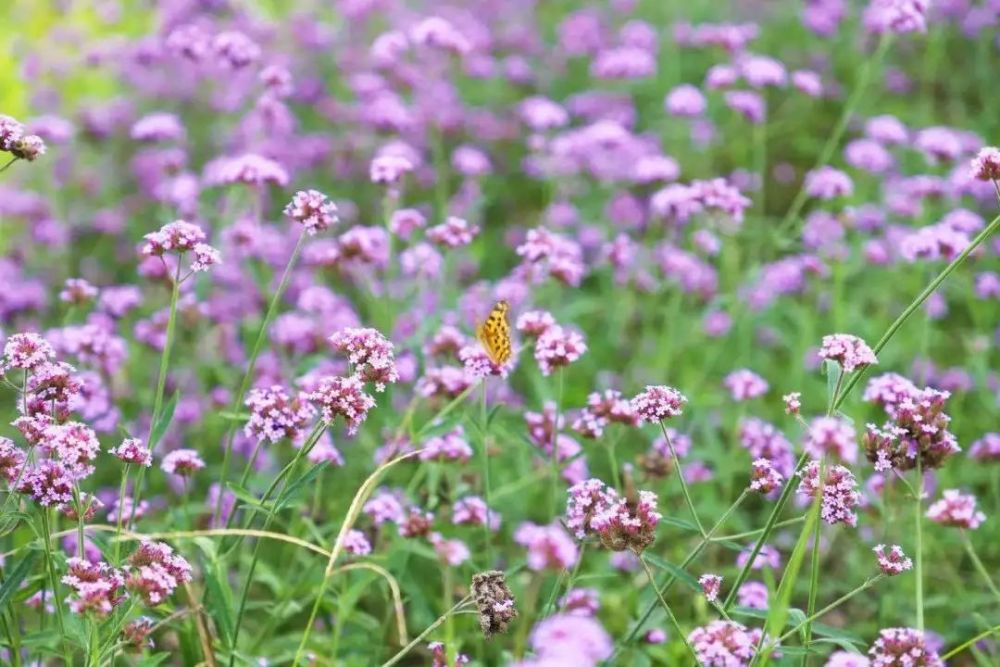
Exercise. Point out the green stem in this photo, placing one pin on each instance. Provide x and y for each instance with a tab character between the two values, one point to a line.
671	577
554	491
923	296
964	645
680	477
485	461
569	582
833	140
983	572
827	609
53	582
772	520
118	518
753	533
813	576
666	608
7	166
918	560
272	309
428	630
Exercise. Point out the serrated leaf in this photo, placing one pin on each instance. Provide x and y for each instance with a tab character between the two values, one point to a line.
163	422
16	576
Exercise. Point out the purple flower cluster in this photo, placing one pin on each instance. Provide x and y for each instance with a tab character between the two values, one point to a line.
956	509
593	508
849	351
274	416
894	562
899	647
839	489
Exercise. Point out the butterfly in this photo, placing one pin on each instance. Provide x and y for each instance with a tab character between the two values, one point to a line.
494	334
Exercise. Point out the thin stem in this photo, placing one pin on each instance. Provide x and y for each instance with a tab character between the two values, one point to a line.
813	576
680	477
553	490
752	533
923	296
868	583
118	515
772	520
671	578
53	582
569	583
918	560
7	166
613	461
428	630
485	461
833	140
666	607
272	309
983	572
964	645
161	383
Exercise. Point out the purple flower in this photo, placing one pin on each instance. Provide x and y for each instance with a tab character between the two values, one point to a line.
249	169
77	291
580	602
849	351
313	210
339	396
685	100
154	571
134	452
898	16
568	639
710	585
752	594
744	384
831	436
987	448
450	446
48	483
26	351
356	544
956	509
389	169
234	50
451	552
828	183
748	104
11	131
158	127
986	164
724	644
658	402
793	402
764	478
371	354
549	547
892	563
839	488
75	444
274	415
625	62
453	233
557	347
182	462
96	587
12	458
847	659
438	33
903	647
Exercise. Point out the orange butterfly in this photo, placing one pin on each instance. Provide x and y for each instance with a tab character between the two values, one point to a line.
494	334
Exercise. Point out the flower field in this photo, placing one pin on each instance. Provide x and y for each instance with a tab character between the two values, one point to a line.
578	333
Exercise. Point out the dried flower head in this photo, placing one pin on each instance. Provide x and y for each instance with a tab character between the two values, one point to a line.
494	601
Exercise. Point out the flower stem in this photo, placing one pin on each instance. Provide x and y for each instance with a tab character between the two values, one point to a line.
769	525
272	309
428	630
680	477
53	582
868	583
666	607
813	576
7	165
984	573
485	461
118	515
964	645
554	491
918	560
917	302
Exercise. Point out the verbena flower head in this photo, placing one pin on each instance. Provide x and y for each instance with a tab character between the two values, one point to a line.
840	492
77	291
897	16
247	169
724	644
313	210
752	594
96	587
182	462
12	458
768	556
894	562
828	183
11	131
136	634
847	659
344	397
710	586
849	351
439	656
956	509
28	148
472	510
558	347
389	169
158	126
275	416
903	647
657	403
453	233
580	602
602	410
549	547
986	164
793	403
154	571
686	101
744	384
764	478
593	508
833	436
450	446
356	543
569	639
205	257
174	237
987	448
494	602
371	354
26	351
918	425
49	483
764	441
75	444
451	552
534	323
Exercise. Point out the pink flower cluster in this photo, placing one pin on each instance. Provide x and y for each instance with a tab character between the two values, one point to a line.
839	488
154	571
558	347
894	562
896	647
96	587
657	403
344	397
593	508
956	509
710	586
371	353
724	644
313	210
744	384
678	202
831	436
275	416
918	425
549	547
450	446
764	478
133	452
454	232
602	410
849	351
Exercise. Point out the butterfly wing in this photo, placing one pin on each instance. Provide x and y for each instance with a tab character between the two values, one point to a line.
494	334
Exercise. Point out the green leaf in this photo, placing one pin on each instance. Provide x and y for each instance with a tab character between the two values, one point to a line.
295	487
680	523
246	496
10	521
678	573
832	371
152	660
163	422
218	595
16	576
